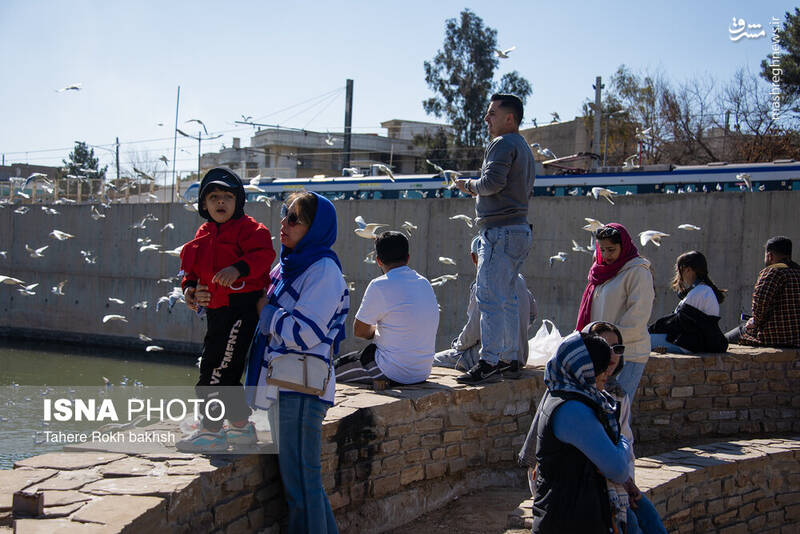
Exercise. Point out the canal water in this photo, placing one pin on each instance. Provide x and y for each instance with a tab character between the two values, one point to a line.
29	371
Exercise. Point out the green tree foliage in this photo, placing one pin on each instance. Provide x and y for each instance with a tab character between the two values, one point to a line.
82	162
788	39
515	84
462	77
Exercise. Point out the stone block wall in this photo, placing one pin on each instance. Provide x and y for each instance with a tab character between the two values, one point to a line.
390	456
748	391
734	487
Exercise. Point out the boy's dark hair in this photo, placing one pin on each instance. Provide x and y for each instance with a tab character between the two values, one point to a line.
392	248
780	245
511	103
225	180
599	352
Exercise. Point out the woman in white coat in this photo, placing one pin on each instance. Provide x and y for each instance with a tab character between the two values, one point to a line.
620	291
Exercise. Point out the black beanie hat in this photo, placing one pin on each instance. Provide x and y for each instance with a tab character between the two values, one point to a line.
227	180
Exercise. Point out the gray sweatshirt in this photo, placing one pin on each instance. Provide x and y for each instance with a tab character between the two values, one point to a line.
506	182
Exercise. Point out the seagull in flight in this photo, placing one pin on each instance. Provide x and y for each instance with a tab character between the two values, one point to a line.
38	253
164	159
114	317
408	226
578	248
71	87
198	121
651	236
61	236
546	152
168	226
370	257
688	227
503	54
593	225
561	256
449	176
9	280
355	172
59	289
384	169
143	174
442	280
447	261
466	218
366	230
598	192
116	300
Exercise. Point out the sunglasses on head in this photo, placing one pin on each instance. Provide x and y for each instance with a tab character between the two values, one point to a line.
291	218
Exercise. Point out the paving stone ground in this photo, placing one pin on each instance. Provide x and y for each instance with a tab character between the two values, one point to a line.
480	512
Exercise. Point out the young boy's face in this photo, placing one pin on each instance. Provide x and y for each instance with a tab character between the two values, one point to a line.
220	205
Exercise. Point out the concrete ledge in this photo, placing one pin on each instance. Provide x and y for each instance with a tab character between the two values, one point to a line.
729	487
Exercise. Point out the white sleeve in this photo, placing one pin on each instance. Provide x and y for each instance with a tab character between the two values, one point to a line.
373	307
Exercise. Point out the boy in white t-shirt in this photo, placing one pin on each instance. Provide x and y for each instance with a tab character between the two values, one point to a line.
399	313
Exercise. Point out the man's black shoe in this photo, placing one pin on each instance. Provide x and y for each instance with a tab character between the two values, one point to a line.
509	369
480	372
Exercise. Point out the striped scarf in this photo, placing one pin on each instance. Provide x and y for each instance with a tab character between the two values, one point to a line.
571	370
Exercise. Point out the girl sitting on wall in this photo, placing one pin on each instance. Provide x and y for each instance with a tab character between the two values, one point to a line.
694	325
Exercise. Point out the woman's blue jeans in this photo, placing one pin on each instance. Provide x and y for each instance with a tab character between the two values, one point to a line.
660	340
300	446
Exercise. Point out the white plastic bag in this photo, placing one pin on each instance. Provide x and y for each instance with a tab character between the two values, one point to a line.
543	345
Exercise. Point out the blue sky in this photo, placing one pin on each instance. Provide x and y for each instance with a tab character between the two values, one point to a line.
257	58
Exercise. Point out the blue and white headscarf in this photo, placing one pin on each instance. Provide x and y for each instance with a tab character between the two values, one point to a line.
571	370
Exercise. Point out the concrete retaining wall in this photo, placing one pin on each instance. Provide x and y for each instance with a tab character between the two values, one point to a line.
734	229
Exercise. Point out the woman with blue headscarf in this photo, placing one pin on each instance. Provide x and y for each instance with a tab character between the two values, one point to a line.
303	313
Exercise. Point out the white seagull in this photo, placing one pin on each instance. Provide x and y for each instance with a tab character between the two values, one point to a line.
116	300
546	152
688	227
59	289
503	54
598	192
651	236
466	218
744	177
365	230
561	256
175	252
593	225
578	248
145	338
38	253
61	236
114	317
408	226
370	257
9	280
447	261
384	169
442	280
153	348
96	215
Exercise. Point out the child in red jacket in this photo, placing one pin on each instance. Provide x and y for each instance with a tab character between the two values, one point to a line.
231	254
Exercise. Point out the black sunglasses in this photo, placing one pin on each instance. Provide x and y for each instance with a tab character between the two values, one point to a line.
618	349
291	218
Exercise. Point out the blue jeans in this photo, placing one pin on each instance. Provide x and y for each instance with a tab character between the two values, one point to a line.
500	255
660	340
644	519
300	446
630	376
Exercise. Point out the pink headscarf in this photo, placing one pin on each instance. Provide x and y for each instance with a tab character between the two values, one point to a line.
600	273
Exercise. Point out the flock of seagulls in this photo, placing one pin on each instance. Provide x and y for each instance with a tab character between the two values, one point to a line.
145	245
592	225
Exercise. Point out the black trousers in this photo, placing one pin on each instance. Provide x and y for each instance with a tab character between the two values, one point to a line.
225	348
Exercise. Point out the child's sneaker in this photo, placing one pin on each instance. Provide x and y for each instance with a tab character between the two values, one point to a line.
241	436
202	440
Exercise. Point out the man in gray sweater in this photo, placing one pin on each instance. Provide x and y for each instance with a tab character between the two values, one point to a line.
502	193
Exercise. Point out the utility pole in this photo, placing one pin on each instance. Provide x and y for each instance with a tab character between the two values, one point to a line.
116	151
175	144
348	123
598	115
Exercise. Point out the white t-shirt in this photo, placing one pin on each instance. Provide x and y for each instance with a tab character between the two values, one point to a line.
403	307
703	298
